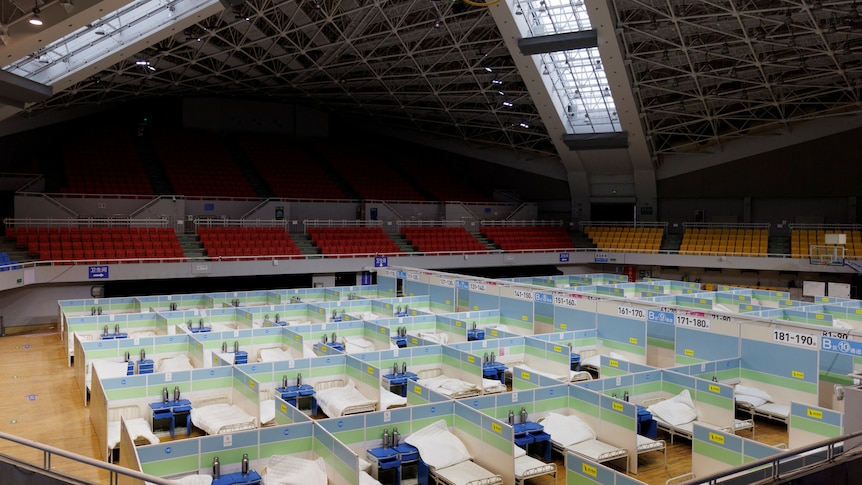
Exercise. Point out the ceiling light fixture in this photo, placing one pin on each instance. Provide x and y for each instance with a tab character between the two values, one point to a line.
35	19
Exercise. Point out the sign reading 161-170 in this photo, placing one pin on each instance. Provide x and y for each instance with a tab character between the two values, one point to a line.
629	312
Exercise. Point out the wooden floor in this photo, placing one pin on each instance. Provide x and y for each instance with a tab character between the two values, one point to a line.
43	404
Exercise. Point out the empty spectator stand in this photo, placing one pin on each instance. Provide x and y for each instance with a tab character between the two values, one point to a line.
721	239
429	239
803	237
104	163
626	239
288	169
517	238
198	164
352	240
368	174
98	245
234	243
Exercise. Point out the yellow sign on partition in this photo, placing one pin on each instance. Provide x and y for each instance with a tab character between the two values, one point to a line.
382	330
458	323
296	337
471	359
448	302
493	333
475	308
749	307
716	438
371	370
633	340
819	316
614	363
524	317
525	375
689	352
714	388
563	326
617	406
497	428
388	305
797	374
417	389
557	348
415	340
589	469
815	413
251	384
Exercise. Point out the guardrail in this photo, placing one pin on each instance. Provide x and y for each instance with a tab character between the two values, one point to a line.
48	453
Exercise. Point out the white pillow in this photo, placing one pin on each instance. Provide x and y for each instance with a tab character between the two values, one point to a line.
741	390
751	400
437	446
567	430
675	411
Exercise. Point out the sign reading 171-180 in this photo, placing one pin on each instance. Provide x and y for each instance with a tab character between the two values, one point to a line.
693	321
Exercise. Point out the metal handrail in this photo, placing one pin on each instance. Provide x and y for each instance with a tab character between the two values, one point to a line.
49	451
774	460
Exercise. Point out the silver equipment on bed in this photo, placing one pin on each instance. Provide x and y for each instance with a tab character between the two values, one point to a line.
216	468
386	437
165	397
523	415
395	437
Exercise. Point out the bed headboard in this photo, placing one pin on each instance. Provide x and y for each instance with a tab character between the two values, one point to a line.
209	400
257	357
330	384
265	393
586	353
131	411
429	373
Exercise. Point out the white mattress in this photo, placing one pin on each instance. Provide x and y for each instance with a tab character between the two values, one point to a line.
292	470
593	449
336	400
649	444
137	428
215	418
466	472
107	369
527	463
389	399
174	364
274	355
773	409
354	344
447	386
267	411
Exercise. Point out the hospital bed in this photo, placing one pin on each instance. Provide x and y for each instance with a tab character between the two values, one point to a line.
570	433
648	445
273	354
677	416
214	414
454	388
293	470
527	467
138	427
175	363
757	402
355	344
447	458
570	376
340	397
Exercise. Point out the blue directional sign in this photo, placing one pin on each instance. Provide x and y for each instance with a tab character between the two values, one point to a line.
564	257
462	285
544	298
381	261
97	272
841	346
660	317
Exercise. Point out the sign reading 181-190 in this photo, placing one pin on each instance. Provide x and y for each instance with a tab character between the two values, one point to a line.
795	338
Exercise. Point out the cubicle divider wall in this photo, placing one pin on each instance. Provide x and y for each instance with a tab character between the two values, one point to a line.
387	282
416	282
113	326
580	470
701	337
406	306
441	292
352	292
134	397
621	328
714	450
489	441
840	366
478	294
781	360
155	349
812	424
517	308
674	287
242	298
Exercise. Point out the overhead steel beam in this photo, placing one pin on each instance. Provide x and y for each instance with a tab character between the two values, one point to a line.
558	42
